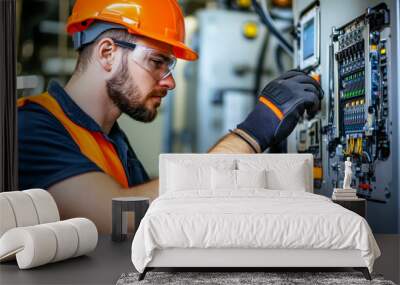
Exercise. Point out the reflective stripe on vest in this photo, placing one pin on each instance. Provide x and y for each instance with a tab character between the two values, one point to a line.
92	144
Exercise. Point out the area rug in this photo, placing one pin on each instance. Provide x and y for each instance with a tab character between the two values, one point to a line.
243	278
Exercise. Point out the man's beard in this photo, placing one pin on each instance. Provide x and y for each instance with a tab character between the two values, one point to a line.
125	94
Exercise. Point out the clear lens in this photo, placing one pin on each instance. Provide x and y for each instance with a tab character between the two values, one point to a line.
157	63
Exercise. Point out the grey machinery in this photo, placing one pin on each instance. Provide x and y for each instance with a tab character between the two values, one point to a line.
226	71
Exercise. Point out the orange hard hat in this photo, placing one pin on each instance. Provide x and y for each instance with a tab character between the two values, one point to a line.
161	20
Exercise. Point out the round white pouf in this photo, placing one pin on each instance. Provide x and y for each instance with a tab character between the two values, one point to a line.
6	215
87	233
67	240
23	208
33	246
45	205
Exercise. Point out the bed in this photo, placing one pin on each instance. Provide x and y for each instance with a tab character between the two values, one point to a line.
246	211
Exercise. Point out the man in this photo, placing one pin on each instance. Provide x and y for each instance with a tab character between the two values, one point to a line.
69	140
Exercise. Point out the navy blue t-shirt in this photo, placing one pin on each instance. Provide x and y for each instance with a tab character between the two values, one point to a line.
48	154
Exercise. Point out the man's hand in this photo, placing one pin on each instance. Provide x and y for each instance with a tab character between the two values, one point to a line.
281	104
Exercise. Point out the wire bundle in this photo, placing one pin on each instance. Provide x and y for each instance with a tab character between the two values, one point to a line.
354	146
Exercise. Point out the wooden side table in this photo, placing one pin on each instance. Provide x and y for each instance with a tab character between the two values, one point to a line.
120	207
358	206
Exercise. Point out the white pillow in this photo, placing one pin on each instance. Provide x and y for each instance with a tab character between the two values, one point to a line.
181	178
283	174
192	174
251	178
185	174
291	179
223	179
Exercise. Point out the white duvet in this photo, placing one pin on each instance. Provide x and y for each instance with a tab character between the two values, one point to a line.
250	219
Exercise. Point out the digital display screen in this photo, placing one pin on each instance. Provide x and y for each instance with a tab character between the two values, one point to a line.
308	39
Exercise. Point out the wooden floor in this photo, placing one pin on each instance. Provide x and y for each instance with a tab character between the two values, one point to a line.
389	262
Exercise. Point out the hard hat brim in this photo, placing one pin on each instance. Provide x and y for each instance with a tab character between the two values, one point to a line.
183	52
179	49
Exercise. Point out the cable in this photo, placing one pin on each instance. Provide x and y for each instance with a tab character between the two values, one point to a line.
260	64
366	154
267	20
279	51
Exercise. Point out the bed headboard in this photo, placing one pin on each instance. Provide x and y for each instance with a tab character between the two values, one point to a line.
210	158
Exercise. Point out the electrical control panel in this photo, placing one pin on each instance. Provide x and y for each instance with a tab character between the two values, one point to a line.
358	70
359	126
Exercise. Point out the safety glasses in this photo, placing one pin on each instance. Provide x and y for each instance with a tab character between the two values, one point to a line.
158	64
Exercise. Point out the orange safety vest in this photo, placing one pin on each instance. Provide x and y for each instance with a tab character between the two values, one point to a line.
92	144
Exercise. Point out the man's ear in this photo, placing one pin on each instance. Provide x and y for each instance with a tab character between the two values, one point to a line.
106	53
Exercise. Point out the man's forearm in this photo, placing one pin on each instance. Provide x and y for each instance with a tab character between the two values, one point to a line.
231	143
149	189
89	195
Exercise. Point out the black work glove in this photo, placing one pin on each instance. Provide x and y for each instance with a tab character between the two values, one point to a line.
281	104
